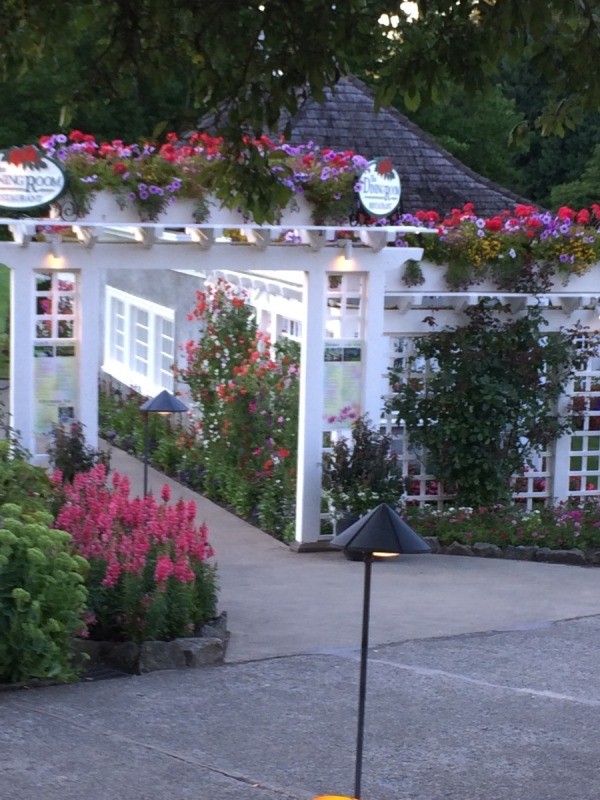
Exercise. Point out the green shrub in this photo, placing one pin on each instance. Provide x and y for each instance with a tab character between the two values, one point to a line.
22	483
70	454
42	597
361	473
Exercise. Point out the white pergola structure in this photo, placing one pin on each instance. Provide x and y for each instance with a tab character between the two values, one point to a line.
86	252
389	309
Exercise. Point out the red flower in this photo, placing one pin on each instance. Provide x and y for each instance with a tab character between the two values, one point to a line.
168	152
76	137
564	212
523	210
583	217
494	224
119	168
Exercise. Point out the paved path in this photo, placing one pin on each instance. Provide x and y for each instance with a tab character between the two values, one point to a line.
483	683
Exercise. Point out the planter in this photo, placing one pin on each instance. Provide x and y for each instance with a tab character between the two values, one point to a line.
297	213
343	522
435	283
180	213
104	210
225	217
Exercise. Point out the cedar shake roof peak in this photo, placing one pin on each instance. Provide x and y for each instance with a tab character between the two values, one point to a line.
431	178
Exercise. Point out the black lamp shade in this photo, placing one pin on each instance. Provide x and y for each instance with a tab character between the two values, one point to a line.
164	403
380	531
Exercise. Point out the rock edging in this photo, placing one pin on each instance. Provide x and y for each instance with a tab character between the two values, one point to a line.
520	552
208	648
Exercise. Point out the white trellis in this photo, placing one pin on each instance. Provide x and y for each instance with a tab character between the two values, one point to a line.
351	293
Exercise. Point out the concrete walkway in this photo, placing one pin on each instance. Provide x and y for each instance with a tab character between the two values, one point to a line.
483	683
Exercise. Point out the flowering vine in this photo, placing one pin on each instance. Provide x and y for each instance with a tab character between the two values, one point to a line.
246	390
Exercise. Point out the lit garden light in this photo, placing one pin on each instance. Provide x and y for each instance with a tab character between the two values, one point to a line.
163	403
380	533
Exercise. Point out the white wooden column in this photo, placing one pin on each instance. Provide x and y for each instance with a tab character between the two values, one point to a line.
89	348
22	323
373	356
562	453
310	417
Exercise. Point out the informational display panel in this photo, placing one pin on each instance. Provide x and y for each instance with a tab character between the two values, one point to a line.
343	383
56	383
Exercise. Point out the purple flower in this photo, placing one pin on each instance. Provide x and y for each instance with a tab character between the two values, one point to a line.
360	162
563	258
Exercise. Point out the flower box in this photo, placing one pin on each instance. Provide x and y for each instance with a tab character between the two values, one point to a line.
106	209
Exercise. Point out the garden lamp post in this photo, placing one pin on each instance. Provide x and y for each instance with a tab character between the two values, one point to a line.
379	533
163	403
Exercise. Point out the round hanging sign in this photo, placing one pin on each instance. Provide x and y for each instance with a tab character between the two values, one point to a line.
379	188
29	178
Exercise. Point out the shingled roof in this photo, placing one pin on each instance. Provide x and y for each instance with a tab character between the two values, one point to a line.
432	178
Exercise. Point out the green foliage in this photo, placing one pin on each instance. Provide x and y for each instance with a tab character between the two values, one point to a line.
361	473
463	44
148	65
413	274
246	179
21	482
475	128
548	160
247	63
42	597
122	423
581	192
69	452
491	399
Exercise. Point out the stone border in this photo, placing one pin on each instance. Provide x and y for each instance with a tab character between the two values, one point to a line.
138	659
575	556
206	649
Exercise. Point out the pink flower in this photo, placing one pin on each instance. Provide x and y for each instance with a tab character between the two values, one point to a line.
164	568
165	493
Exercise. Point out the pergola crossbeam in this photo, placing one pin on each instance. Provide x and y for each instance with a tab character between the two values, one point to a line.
22	232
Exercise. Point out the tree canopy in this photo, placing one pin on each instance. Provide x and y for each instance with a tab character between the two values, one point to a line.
246	61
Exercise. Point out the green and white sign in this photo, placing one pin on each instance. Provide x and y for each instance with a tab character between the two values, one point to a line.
379	191
28	178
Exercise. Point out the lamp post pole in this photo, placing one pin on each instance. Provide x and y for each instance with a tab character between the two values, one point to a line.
379	533
362	686
163	403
